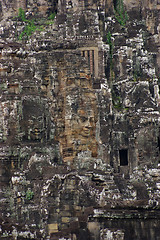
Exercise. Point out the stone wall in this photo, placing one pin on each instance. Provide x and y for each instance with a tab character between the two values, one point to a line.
79	110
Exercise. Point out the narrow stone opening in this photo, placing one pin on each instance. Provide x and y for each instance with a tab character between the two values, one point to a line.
159	144
53	7
115	3
123	154
55	159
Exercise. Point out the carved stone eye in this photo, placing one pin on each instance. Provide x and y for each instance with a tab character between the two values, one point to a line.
83	119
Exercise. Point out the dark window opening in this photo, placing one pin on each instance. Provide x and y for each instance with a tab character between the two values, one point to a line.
151	88
115	3
93	61
159	143
88	57
123	154
53	7
55	159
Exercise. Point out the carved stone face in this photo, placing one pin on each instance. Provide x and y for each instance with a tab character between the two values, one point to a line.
33	121
80	123
77	115
86	124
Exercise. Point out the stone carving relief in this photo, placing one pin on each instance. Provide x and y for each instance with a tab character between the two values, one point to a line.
35	123
77	118
82	122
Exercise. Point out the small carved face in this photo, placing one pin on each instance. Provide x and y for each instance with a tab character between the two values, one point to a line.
33	121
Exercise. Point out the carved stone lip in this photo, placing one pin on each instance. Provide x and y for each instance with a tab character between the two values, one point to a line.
86	132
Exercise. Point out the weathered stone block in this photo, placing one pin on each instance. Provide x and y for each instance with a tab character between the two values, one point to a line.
65	219
52	228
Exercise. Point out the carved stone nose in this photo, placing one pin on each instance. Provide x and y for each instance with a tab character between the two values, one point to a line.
87	124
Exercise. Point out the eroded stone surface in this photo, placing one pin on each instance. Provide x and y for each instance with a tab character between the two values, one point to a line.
79	111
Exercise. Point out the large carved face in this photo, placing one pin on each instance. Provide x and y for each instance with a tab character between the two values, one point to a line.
86	123
80	122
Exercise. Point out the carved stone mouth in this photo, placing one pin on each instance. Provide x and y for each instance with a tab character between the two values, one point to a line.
86	132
